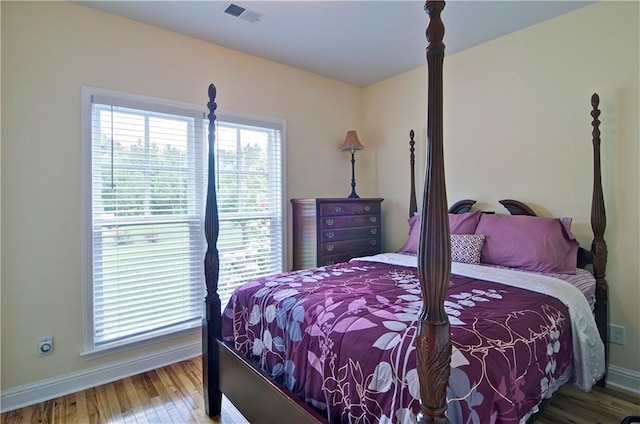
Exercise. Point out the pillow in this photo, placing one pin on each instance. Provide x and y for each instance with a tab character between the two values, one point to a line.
566	222
411	246
528	242
466	247
462	223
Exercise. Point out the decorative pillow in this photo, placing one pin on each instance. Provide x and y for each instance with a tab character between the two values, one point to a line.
466	247
462	223
528	242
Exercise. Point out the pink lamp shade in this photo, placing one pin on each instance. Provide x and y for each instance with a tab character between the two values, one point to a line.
351	142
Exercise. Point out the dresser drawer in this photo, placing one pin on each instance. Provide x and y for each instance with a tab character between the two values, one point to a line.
349	233
349	221
350	246
330	209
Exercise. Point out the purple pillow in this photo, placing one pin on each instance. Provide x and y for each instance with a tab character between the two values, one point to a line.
463	223
411	246
528	242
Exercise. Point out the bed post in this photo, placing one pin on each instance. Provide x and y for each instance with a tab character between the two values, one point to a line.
212	320
598	245
433	344
413	203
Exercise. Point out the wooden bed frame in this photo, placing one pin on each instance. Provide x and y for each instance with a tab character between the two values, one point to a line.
258	397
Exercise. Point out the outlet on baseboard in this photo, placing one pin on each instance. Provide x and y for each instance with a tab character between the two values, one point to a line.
616	334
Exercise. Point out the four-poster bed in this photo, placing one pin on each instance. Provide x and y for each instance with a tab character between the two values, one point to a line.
426	365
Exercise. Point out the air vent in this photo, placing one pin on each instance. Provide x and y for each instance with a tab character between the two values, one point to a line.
238	11
234	10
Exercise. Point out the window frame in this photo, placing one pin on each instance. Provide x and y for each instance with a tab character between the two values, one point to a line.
89	348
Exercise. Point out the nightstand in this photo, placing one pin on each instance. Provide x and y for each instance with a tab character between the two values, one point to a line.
331	230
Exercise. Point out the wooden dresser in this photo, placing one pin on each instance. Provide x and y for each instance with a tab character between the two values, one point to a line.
328	231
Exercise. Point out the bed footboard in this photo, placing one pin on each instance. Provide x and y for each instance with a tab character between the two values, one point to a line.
244	384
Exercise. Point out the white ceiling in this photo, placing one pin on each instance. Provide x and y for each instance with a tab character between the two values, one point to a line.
359	41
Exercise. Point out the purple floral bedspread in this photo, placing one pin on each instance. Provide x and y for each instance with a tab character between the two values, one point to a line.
342	337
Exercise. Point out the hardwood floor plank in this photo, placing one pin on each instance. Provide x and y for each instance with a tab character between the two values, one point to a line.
173	394
138	384
110	410
82	410
168	402
136	406
163	413
59	410
570	405
11	417
185	400
188	386
93	409
162	402
36	413
124	403
180	398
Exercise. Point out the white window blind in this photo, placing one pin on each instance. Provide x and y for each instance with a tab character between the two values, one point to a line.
249	187
147	199
145	239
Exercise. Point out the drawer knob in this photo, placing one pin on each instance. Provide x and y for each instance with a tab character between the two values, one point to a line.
367	208
373	230
330	247
373	218
330	234
338	208
373	242
330	262
329	221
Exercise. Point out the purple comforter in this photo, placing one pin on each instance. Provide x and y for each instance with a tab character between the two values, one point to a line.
341	338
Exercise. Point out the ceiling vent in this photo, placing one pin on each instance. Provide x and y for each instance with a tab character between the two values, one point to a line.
234	9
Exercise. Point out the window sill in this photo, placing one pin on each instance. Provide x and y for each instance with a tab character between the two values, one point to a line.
147	340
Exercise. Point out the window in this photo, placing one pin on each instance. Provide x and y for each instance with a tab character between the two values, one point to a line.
249	189
145	192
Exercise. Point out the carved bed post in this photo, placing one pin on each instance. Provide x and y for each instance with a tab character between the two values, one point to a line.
433	344
212	321
413	203
598	245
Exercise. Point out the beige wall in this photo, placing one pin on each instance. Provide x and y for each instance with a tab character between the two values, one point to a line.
51	49
517	119
518	125
391	109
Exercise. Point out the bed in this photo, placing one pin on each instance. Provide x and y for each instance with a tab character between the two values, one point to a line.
423	346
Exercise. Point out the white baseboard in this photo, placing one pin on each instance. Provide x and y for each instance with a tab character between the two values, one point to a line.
623	378
43	390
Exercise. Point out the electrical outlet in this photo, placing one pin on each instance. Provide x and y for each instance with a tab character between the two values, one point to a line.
45	346
616	334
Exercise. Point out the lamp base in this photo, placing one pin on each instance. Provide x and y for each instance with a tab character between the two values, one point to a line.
353	194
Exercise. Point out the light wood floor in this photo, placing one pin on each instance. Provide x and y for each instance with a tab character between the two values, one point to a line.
173	394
